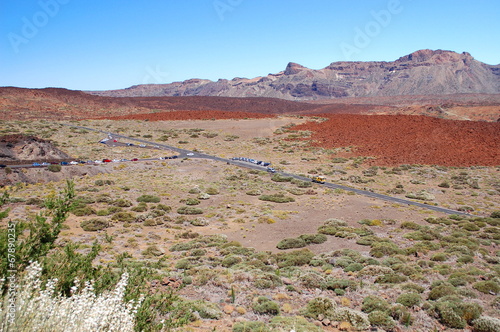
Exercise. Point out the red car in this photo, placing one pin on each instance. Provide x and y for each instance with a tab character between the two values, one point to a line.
135	159
106	160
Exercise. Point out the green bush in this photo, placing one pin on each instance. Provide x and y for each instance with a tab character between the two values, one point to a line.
411	287
319	306
141	207
122	203
267	280
148	199
486	324
291	243
495	214
381	249
441	290
374	303
391	278
381	319
94	225
250	327
54	168
297	324
294	258
313	238
409	299
487	287
84	211
189	210
280	178
265	306
212	191
192	201
277	198
230	260
124	217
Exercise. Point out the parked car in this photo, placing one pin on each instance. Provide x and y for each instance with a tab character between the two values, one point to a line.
116	160
271	170
36	164
45	163
135	159
73	162
106	160
175	157
64	163
190	154
130	144
3	166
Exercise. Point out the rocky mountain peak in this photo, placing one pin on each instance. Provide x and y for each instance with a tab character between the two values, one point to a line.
435	57
293	68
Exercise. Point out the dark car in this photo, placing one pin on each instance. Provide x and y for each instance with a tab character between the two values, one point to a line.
175	157
2	166
134	159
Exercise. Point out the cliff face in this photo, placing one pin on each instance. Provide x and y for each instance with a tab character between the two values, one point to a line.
425	72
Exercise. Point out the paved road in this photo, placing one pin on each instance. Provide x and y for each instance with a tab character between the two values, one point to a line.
193	154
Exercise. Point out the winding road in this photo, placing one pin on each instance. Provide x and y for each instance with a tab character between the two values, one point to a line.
183	153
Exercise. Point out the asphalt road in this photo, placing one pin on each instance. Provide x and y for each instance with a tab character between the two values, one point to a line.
183	153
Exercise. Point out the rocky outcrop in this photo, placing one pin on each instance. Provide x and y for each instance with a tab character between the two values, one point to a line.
424	72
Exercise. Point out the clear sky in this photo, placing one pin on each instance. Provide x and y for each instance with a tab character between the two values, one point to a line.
112	44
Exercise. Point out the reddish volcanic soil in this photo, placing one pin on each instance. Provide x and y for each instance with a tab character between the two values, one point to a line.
192	115
404	139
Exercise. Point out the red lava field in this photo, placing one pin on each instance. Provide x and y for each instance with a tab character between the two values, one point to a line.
405	139
192	115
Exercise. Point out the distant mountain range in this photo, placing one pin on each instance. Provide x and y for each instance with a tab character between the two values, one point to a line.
425	72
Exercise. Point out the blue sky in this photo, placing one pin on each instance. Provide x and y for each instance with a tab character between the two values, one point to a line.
112	44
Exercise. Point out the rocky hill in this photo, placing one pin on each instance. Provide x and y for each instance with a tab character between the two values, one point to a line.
425	72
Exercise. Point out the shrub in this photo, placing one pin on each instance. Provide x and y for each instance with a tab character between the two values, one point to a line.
54	168
411	287
297	324
319	306
84	211
487	287
381	319
254	192
486	324
268	280
441	290
280	178
122	203
381	249
359	320
294	258
495	214
47	310
94	225
152	251
439	257
124	217
250	327
189	210
262	305
374	303
291	243
391	278
212	191
312	280
142	207
313	238
192	201
409	299
277	198
148	199
230	260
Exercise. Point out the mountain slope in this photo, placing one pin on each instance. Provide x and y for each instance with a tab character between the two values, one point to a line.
424	72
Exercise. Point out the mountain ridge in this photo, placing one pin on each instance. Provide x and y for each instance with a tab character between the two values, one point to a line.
424	72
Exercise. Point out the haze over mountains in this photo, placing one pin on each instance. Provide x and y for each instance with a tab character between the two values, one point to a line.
424	72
